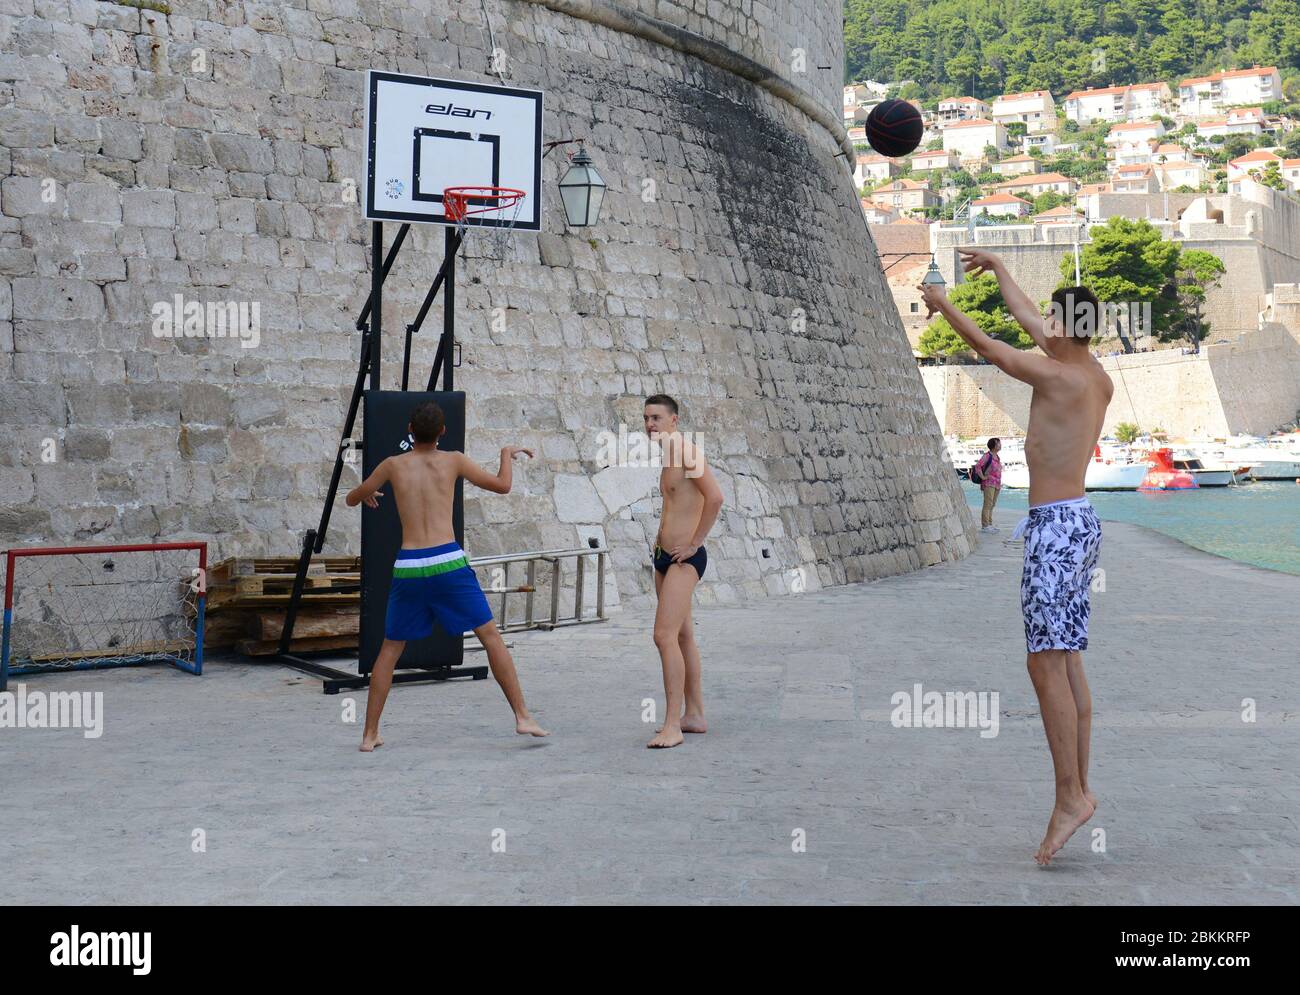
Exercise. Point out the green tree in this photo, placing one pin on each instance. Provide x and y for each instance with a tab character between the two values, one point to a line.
982	48
1125	262
1126	432
980	300
1270	176
1128	262
1047	200
1197	273
1236	145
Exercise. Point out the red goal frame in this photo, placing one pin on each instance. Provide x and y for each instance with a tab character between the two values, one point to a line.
12	556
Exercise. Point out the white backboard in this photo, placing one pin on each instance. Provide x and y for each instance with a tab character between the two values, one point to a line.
424	135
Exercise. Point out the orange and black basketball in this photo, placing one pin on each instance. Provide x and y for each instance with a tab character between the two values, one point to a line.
894	128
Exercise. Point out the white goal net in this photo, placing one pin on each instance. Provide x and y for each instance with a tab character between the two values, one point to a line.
85	607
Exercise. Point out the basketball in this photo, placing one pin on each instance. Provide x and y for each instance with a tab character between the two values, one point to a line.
894	128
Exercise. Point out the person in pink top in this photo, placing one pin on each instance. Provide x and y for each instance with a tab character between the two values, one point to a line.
989	472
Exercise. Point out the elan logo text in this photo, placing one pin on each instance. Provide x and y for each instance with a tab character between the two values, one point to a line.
451	110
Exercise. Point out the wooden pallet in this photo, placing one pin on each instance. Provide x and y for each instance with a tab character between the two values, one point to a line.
247	597
269	647
257	632
242	590
229	601
250	566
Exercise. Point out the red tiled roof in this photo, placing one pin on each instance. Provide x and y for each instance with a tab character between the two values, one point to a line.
1096	93
1026	94
972	123
1101	91
1259	155
1064	211
1231	74
1033	179
1001	198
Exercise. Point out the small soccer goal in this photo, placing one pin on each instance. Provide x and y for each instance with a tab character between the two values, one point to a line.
86	607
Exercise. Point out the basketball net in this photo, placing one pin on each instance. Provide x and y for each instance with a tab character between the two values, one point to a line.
496	210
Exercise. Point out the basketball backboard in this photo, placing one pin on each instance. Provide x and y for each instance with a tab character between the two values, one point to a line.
424	135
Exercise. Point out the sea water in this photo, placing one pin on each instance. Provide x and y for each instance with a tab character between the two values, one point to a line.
1255	523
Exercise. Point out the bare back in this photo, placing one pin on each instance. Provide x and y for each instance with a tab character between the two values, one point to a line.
424	487
1065	419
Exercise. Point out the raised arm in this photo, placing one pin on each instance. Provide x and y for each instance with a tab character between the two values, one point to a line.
1025	366
368	490
978	261
701	476
502	481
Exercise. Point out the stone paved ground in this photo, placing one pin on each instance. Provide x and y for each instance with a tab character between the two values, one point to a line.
1197	806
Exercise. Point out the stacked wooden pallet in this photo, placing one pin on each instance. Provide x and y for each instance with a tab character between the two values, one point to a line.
247	598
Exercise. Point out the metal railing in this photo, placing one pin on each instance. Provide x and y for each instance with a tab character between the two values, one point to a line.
554	558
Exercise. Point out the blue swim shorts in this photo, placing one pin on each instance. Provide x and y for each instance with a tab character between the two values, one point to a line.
434	585
1062	542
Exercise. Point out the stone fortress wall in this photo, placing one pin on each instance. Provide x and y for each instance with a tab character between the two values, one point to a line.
1250	386
211	151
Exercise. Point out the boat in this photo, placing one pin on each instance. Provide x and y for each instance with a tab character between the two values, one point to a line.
1265	460
963	455
1104	473
1208	471
1164	476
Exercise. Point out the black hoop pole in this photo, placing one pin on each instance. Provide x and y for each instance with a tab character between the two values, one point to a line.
388	264
449	311
376	301
423	313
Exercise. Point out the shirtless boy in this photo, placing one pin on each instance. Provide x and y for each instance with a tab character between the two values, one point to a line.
692	500
432	579
1062	533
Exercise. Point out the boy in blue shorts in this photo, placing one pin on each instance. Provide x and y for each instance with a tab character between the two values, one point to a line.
432	579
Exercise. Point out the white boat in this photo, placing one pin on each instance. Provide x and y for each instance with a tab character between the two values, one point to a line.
1265	462
1102	475
963	455
1208	471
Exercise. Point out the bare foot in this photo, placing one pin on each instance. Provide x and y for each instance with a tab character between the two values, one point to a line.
528	727
1060	827
689	724
369	743
1092	800
666	739
694	723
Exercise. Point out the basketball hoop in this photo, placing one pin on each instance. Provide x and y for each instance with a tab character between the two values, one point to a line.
495	208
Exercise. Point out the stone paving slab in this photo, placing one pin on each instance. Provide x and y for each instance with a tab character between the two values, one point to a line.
1197	806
